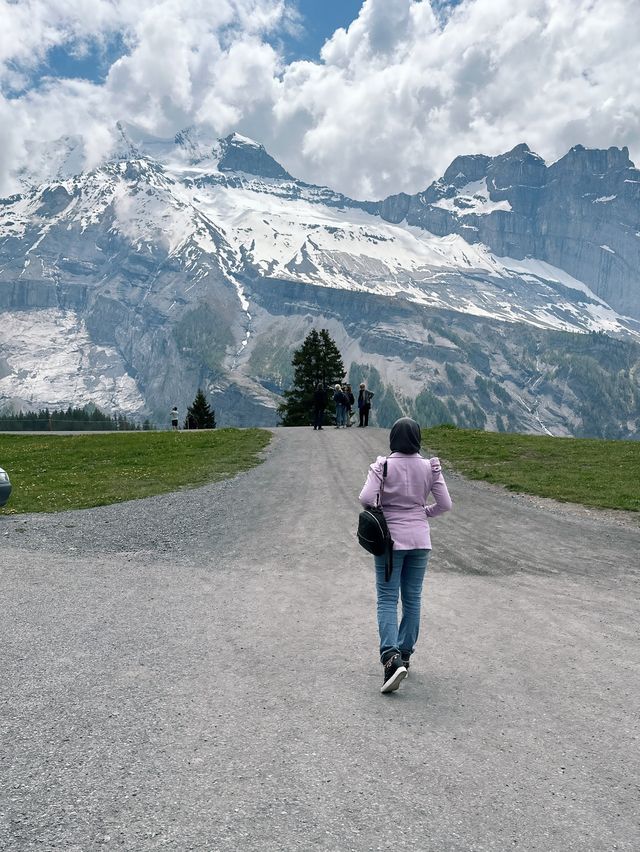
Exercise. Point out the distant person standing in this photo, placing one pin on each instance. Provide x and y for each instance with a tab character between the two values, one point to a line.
174	418
364	404
342	401
352	399
320	399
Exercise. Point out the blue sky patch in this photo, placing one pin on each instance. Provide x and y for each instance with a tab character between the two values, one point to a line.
92	62
320	19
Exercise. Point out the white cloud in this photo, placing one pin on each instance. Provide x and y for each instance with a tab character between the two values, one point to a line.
388	112
391	101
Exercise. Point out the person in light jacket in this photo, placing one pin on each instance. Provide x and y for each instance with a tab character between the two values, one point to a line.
409	481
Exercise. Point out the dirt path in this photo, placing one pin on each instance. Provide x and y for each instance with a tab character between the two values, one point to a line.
199	672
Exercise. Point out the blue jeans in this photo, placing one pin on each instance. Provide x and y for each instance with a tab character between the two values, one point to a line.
341	415
409	567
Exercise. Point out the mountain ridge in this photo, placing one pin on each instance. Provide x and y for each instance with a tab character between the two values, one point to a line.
181	252
526	187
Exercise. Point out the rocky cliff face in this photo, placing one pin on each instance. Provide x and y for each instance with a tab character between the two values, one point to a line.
189	263
145	277
581	214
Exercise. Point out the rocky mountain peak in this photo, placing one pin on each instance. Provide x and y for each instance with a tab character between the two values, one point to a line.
592	161
189	145
520	150
466	168
241	154
517	167
580	214
53	200
190	140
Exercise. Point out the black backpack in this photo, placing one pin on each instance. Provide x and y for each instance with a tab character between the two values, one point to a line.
373	532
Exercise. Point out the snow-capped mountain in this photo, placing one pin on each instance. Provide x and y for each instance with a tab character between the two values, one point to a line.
195	261
581	214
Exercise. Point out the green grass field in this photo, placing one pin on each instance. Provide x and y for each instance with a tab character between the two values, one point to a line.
598	473
50	473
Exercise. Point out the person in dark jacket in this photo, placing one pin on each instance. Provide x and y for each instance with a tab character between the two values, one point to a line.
364	404
352	399
320	398
342	402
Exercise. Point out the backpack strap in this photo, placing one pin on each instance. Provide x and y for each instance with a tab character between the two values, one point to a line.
384	476
388	568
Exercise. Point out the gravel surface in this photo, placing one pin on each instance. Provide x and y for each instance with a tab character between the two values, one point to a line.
198	671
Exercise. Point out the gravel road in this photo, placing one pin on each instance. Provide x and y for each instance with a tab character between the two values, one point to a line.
198	671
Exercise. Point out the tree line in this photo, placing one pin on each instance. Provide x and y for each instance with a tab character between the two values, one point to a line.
69	420
90	418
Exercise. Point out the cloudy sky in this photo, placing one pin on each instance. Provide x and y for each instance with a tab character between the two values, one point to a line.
368	96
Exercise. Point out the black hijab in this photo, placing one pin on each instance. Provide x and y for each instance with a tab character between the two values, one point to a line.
405	436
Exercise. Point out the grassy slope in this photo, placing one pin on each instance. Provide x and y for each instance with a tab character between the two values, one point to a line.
592	472
54	472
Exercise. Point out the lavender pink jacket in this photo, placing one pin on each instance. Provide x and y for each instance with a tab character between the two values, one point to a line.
410	479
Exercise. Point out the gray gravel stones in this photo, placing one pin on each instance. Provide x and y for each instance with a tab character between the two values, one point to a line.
199	672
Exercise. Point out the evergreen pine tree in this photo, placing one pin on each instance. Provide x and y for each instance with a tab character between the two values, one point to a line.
199	414
316	362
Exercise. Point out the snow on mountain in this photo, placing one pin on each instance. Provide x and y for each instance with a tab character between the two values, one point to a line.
49	359
286	235
283	228
473	197
50	161
150	219
566	214
108	258
239	139
175	263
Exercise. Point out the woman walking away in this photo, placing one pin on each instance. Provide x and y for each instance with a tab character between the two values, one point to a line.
364	404
403	494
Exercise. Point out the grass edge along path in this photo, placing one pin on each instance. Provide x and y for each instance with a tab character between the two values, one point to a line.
52	473
590	471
